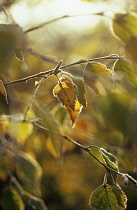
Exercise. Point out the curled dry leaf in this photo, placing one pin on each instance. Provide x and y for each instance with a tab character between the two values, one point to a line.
68	93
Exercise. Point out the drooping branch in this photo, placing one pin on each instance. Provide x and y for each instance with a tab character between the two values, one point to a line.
59	18
50	72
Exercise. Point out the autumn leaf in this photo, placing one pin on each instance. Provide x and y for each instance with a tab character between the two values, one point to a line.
124	26
74	113
81	87
3	91
66	92
108	197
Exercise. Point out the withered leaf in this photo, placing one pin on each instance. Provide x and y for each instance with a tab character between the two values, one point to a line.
66	92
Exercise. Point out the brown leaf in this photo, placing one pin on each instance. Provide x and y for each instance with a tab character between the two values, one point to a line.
3	91
74	113
66	92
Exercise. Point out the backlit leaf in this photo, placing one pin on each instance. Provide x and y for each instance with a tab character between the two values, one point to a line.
81	87
66	92
111	162
96	76
124	26
108	197
126	67
11	200
3	91
74	113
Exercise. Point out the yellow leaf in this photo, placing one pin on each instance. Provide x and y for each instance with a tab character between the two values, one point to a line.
66	92
74	113
21	131
51	148
65	79
124	26
3	90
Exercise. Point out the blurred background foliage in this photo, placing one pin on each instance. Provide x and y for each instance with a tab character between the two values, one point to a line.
42	163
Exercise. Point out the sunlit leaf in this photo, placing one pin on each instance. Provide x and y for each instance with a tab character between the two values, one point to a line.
126	67
97	76
108	197
124	26
66	92
74	113
11	199
34	203
111	162
3	91
81	87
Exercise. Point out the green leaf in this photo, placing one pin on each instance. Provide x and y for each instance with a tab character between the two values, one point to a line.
126	67
60	114
33	202
29	171
11	199
111	161
108	197
27	167
124	26
98	77
115	110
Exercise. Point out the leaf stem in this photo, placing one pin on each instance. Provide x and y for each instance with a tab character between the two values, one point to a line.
50	72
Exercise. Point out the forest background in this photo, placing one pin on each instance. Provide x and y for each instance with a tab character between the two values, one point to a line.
68	106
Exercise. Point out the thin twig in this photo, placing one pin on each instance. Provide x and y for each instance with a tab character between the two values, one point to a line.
33	96
4	4
59	18
50	72
87	149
